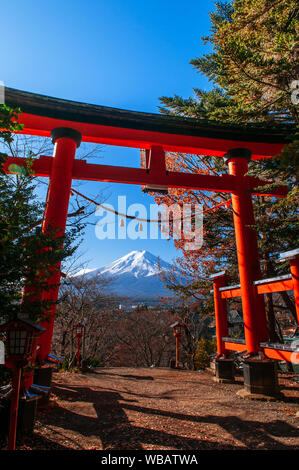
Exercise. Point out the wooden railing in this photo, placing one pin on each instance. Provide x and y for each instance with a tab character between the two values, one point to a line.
288	282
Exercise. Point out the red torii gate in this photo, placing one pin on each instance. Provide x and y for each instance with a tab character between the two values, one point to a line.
68	122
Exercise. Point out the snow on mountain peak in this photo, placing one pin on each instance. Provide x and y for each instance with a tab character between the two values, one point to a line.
134	275
138	263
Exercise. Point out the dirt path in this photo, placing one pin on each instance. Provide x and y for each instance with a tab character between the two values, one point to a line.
148	409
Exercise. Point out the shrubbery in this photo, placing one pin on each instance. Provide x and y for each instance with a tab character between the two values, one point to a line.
204	349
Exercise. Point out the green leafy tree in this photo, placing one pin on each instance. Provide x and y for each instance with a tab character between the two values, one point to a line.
204	349
252	65
8	125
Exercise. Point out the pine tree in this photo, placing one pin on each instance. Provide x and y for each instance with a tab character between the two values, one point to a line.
27	255
253	64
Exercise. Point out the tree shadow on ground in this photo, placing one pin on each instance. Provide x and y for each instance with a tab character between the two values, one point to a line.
37	442
135	377
250	433
113	428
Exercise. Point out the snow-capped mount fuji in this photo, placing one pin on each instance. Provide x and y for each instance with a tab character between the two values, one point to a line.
138	263
134	275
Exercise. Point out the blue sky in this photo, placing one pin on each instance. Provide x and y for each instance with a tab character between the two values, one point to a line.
117	53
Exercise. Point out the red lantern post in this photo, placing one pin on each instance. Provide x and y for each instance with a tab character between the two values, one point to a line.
177	331
20	346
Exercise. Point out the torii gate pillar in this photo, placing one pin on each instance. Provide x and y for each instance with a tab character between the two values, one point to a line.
254	317
65	140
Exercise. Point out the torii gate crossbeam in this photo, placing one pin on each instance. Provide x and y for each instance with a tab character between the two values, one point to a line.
68	123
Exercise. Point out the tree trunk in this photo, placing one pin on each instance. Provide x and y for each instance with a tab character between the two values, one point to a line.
289	304
273	336
270	314
270	271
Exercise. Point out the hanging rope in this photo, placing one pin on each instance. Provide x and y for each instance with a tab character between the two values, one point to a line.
140	219
126	216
